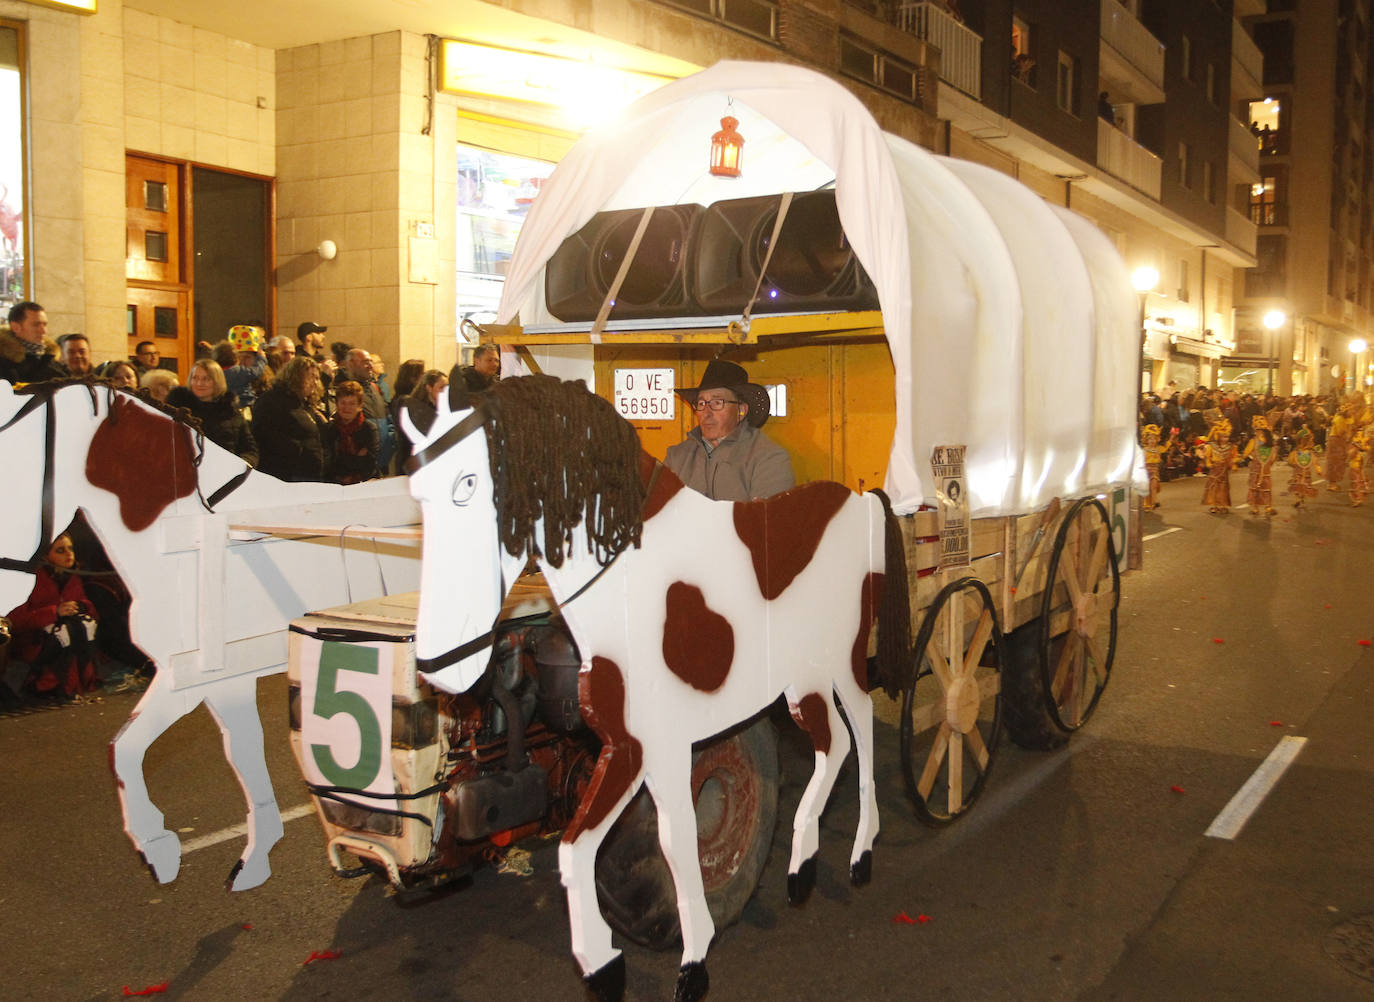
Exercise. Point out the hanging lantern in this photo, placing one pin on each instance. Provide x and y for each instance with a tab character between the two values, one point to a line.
726	146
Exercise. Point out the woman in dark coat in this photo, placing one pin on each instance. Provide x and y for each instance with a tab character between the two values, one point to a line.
422	404
287	426
350	440
207	397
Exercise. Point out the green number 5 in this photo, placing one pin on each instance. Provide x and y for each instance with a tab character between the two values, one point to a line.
329	702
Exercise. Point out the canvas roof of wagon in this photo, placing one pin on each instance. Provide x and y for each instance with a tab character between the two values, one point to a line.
1011	322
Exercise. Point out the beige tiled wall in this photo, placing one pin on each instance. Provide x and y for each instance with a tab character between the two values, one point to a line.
356	167
198	95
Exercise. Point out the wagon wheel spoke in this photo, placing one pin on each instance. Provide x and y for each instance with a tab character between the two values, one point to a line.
1063	671
956	772
981	634
980	750
939	665
937	755
1099	559
1069	574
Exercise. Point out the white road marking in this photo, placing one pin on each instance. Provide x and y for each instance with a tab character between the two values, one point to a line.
240	830
1248	798
1162	532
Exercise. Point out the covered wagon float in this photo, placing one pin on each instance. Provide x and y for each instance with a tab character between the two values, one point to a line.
217	557
922	323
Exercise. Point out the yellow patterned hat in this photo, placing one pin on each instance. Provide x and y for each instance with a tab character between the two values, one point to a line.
247	338
1151	429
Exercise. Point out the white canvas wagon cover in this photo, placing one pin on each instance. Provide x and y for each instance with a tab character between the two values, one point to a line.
1011	322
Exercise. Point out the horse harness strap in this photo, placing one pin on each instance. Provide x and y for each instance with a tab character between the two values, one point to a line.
45	527
452	437
231	485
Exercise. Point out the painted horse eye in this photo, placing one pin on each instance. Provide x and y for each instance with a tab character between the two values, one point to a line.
464	487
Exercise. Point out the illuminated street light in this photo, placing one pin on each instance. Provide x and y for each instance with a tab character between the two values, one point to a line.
1275	319
1145	278
1358	345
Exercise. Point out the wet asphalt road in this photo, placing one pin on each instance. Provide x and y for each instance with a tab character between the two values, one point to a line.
1080	874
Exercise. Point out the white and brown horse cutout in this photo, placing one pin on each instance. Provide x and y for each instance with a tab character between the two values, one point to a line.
210	605
691	615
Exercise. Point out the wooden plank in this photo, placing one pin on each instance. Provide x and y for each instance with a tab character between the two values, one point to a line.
862	323
363	531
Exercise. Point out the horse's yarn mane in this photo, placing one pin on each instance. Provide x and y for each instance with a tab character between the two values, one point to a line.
562	454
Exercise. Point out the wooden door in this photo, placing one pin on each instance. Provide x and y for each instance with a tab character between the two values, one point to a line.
156	267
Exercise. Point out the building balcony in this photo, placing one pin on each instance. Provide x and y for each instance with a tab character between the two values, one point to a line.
1130	59
1247	66
1243	150
961	48
1240	231
1121	156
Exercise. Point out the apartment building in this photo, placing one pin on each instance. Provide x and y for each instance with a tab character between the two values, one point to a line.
1315	273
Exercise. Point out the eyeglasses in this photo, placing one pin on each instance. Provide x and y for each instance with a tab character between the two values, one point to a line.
716	404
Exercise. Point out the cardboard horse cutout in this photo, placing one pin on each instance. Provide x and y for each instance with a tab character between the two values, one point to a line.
691	616
210	605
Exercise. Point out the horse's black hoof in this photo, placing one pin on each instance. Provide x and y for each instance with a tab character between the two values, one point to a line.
801	883
229	881
608	983
861	873
692	982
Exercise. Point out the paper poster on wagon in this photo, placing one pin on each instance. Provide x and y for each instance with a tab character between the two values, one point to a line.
947	467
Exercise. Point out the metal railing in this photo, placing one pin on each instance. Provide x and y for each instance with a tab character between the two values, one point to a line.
1244	145
1121	156
961	48
1124	33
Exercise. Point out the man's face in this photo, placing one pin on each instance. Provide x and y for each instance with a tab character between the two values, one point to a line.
717	424
360	365
76	356
314	342
378	366
149	356
33	328
286	352
488	364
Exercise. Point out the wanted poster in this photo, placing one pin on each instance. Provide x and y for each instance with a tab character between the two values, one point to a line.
947	464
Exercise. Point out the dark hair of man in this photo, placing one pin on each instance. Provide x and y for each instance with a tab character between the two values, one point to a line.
138	349
21	310
485	349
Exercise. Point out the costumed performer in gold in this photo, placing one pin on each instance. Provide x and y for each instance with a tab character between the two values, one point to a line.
1304	463
1221	456
1262	453
1154	454
1359	448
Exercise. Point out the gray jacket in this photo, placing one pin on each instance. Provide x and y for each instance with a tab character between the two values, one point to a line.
746	466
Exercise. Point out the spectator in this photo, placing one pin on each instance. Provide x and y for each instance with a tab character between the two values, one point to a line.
379	374
311	338
26	354
76	354
286	425
206	396
358	367
146	357
54	630
157	383
280	350
250	365
422	404
123	375
350	440
484	370
223	353
340	350
1105	111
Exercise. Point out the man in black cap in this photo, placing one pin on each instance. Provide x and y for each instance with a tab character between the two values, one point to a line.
726	456
311	338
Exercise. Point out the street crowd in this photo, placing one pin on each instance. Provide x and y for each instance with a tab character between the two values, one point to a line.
288	407
1209	433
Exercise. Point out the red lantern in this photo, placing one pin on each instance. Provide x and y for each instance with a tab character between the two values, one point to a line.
726	146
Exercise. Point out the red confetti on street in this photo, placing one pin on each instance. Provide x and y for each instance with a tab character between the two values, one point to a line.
1218	640
1327	606
1276	723
1177	789
1364	643
902	918
246	925
322	955
150	990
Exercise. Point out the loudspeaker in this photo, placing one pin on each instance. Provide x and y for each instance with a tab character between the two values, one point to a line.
813	267
581	271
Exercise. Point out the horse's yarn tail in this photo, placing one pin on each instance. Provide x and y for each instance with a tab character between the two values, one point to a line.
894	610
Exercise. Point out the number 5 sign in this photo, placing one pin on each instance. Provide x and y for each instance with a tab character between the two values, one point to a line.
346	717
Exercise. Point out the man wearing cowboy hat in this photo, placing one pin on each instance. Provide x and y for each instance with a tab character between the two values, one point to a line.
726	456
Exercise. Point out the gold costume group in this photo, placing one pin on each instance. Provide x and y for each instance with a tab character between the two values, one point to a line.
1347	444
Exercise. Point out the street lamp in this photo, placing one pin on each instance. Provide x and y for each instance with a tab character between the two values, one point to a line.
1357	347
1144	279
1272	321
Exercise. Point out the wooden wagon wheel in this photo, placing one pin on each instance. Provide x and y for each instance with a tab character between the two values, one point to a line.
952	708
1078	620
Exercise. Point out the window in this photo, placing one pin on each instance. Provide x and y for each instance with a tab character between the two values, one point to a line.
878	66
757	17
1185	55
1183	280
1066	89
1183	168
1022	52
1212	82
14	244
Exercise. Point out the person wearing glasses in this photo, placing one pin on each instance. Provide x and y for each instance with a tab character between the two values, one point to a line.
726	456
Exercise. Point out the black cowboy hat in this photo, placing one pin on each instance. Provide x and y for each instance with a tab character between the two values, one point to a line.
723	375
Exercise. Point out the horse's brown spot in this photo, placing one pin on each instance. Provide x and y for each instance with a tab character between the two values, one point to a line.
661	483
870	597
698	643
813	716
783	532
143	458
601	691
